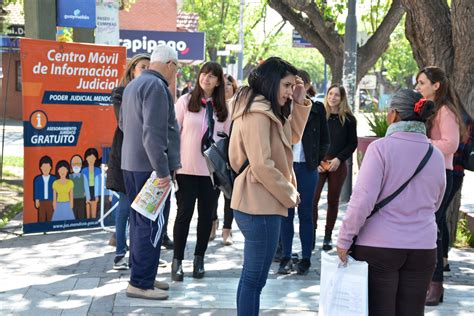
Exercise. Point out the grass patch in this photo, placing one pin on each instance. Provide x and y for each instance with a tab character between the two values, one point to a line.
464	238
13	161
10	212
11	186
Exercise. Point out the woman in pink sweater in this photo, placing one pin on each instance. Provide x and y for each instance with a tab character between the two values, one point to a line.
201	114
399	241
444	129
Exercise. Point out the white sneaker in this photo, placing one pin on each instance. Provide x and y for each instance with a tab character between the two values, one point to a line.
122	264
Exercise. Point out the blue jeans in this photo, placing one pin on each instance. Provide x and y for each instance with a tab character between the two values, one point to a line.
121	218
261	233
306	180
144	257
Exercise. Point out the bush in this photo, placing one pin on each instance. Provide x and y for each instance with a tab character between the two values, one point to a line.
377	121
464	238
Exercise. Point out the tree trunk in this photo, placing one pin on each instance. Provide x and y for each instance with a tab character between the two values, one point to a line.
444	38
307	18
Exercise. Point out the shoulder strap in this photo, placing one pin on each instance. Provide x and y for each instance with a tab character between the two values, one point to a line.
246	162
389	198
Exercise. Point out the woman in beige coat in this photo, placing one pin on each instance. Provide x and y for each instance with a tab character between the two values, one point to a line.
269	116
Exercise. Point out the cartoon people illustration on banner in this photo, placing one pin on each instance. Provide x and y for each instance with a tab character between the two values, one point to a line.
43	190
81	191
92	173
63	195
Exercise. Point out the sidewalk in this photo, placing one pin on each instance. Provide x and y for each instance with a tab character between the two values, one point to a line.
70	273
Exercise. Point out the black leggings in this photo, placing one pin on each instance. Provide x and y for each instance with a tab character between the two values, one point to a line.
191	188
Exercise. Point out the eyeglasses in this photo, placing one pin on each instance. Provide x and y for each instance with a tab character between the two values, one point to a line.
175	63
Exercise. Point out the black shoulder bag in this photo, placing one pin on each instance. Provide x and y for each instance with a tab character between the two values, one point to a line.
216	155
389	198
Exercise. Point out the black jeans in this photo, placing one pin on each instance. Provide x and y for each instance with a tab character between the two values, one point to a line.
398	279
228	214
191	188
443	232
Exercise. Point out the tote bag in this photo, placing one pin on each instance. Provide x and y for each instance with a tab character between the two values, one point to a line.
344	291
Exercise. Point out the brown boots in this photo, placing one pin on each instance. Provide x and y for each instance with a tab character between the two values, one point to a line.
435	294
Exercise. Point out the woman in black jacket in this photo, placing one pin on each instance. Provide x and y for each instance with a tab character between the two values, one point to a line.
114	172
342	126
306	158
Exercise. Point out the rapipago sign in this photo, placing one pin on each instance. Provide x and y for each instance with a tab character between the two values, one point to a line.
190	45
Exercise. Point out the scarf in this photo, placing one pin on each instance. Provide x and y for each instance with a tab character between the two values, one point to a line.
406	126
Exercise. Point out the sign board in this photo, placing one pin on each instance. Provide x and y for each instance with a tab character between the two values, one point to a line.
68	123
16	30
299	41
107	32
76	13
190	46
368	82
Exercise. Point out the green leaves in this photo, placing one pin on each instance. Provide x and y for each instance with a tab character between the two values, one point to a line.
377	121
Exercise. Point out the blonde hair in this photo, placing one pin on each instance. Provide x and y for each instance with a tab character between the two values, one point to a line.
132	63
344	109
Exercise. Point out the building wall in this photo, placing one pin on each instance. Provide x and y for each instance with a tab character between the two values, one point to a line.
13	97
150	15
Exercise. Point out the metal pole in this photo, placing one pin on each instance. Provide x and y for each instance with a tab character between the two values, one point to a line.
240	74
349	80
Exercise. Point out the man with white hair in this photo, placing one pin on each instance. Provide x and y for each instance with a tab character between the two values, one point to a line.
150	143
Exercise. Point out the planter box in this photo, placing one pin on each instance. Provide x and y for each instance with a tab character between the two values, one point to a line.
362	143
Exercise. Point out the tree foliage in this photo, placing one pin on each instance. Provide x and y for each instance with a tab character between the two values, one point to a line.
322	25
219	19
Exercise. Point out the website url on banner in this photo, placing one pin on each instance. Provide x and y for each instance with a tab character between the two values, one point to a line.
77	224
76	17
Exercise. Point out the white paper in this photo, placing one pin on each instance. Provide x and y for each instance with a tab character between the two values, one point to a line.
344	290
151	199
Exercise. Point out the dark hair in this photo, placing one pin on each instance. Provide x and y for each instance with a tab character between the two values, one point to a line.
59	165
46	159
404	102
129	70
307	80
233	81
218	95
444	95
95	153
265	80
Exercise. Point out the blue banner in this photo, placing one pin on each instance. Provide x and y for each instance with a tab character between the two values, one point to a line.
52	134
190	45
76	13
83	98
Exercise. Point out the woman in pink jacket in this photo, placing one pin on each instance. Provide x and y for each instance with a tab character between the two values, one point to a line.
194	112
398	241
444	129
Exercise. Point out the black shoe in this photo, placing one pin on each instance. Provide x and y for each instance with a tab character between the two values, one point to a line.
198	267
295	258
177	270
446	268
302	268
327	244
167	242
286	265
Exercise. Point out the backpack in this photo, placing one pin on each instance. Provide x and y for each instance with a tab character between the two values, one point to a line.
216	155
468	152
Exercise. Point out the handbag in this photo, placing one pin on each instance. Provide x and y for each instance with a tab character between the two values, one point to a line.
216	155
389	198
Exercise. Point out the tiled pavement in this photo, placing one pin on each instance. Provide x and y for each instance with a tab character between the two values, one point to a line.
70	273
